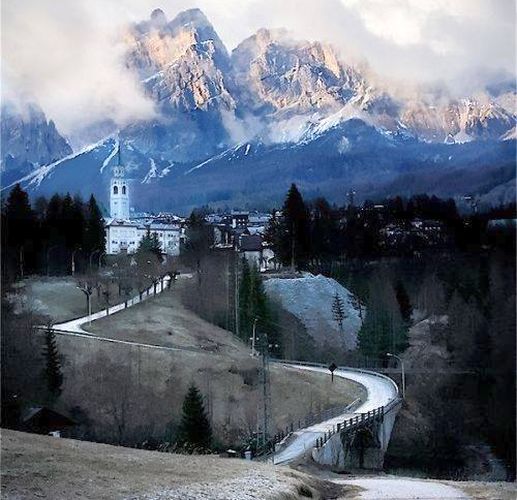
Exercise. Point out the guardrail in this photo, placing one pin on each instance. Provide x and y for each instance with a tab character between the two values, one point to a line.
359	420
312	419
348	368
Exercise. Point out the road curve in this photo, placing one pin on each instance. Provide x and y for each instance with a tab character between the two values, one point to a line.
380	392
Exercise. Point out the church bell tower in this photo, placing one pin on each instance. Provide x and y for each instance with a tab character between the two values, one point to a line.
119	192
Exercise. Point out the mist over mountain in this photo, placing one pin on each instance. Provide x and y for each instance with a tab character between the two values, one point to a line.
236	128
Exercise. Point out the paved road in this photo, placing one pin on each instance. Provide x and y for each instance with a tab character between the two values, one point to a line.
396	488
380	392
75	325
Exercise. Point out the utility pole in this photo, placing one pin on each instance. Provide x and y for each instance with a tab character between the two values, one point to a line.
254	337
266	389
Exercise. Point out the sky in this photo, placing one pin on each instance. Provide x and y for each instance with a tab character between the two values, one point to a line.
68	55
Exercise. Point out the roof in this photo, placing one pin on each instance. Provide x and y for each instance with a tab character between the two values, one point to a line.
44	416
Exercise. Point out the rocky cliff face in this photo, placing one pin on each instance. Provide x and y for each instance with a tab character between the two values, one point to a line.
28	139
277	74
184	67
202	92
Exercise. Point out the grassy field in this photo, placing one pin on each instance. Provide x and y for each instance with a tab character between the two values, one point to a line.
58	298
45	467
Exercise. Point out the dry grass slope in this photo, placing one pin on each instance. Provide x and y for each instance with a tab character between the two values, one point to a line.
36	466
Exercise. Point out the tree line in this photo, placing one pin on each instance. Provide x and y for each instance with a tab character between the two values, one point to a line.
309	235
59	235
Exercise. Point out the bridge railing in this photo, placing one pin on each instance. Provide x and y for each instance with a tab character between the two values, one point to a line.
359	420
313	419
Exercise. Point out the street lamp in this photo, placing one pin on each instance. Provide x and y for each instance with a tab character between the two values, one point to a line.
254	337
402	371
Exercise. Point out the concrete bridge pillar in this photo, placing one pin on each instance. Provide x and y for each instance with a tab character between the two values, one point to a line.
363	447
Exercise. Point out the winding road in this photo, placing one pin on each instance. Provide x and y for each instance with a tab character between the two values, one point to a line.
380	392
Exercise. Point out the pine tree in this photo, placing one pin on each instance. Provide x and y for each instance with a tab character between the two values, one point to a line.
338	311
254	306
95	233
383	329
53	373
18	231
195	430
290	235
151	244
406	309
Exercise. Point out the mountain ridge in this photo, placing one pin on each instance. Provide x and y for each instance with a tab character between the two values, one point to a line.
280	98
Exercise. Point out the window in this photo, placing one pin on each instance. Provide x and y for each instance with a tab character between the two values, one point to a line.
123	189
115	189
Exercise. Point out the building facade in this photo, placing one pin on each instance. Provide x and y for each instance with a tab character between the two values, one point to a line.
123	234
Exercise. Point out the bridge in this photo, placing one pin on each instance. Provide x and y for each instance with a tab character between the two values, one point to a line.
356	437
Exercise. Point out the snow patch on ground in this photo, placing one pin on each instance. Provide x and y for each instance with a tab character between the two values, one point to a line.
310	299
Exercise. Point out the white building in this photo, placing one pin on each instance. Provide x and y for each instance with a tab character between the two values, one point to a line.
124	234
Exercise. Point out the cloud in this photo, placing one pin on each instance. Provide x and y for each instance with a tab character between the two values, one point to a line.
69	56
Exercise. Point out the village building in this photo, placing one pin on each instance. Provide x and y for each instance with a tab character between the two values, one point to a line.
123	233
244	233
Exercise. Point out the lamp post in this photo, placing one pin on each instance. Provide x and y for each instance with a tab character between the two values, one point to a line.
402	371
254	337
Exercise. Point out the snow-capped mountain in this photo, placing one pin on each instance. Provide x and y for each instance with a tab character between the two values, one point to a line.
232	127
28	140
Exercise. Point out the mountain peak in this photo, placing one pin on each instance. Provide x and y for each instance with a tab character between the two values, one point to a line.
158	18
192	17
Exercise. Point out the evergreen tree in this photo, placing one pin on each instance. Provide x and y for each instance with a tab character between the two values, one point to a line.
18	231
324	231
254	307
406	309
195	430
53	373
338	311
290	236
383	329
151	244
95	234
